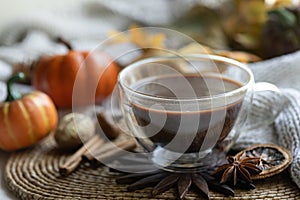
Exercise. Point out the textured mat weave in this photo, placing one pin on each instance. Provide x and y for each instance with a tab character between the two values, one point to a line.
33	174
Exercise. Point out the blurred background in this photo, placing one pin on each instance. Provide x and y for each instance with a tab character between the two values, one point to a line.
12	9
240	29
221	24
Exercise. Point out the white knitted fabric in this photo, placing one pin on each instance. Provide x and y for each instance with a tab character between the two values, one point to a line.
283	71
86	25
287	130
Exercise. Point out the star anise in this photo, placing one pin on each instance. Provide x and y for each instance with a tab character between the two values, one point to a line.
162	181
239	169
273	159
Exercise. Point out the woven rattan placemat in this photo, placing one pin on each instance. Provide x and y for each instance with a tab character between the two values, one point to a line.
33	174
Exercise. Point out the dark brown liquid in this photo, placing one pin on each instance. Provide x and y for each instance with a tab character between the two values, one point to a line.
184	124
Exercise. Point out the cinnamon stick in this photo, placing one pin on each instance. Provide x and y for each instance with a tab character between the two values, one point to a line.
113	150
95	150
73	162
90	155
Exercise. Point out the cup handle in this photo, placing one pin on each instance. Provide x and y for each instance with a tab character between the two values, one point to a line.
267	103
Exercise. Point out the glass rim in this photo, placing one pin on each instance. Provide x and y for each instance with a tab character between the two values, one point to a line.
213	58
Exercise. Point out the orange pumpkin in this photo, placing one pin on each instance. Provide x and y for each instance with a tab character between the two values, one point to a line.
24	120
56	76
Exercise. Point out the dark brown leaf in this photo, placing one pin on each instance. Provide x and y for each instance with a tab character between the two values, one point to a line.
147	182
217	186
245	185
201	184
117	171
131	178
165	184
184	184
222	188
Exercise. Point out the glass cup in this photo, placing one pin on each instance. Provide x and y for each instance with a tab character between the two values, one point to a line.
184	109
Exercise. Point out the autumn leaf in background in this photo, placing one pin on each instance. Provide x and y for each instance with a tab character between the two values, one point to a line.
264	27
247	26
155	45
143	41
243	22
247	31
139	37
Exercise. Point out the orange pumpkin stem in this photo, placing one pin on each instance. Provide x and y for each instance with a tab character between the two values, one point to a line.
64	42
12	94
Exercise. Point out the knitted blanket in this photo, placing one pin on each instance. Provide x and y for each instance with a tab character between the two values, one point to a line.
86	25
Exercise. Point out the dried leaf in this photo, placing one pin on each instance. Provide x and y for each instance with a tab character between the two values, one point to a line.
157	41
165	184
130	178
201	184
217	186
245	185
184	185
118	37
194	48
138	36
146	182
281	3
222	188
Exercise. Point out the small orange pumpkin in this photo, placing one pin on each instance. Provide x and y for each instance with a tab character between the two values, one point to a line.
24	120
56	76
